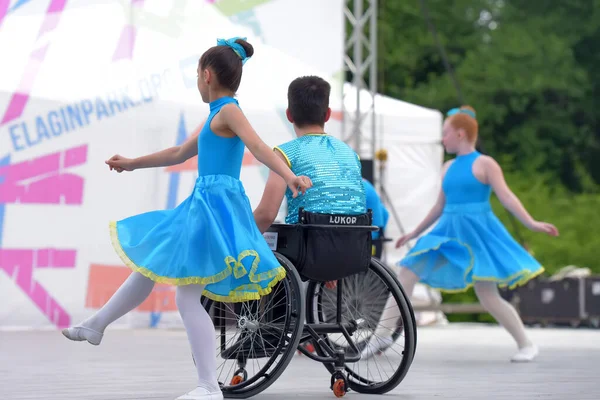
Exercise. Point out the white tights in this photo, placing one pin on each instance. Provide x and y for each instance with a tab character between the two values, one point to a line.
198	324
488	295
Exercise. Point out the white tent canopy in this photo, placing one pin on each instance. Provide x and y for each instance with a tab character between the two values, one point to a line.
407	122
411	134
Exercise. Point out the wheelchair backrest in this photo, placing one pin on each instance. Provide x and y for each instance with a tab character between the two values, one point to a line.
334	246
305	217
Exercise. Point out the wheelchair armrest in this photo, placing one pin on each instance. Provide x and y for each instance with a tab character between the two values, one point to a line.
282	225
371	228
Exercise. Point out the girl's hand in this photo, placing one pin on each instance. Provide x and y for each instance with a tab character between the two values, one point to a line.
120	164
404	239
544	227
299	182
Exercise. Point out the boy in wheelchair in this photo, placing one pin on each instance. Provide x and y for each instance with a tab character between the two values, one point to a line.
331	164
325	239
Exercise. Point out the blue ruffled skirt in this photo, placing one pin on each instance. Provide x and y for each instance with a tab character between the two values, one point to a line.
210	238
470	244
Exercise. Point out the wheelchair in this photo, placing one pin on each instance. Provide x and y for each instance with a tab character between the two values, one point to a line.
332	297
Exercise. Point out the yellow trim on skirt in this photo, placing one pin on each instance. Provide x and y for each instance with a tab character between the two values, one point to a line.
246	292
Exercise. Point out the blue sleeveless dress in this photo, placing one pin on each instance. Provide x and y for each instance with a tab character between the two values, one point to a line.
469	243
211	237
335	171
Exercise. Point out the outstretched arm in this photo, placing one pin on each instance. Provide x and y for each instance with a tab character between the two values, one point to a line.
164	158
237	122
432	216
510	201
495	178
437	208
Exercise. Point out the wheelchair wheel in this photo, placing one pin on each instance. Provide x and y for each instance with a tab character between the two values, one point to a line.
256	340
364	297
400	328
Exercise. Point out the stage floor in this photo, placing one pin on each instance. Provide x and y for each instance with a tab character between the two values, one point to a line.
452	362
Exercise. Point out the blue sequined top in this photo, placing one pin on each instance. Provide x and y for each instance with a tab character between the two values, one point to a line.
335	171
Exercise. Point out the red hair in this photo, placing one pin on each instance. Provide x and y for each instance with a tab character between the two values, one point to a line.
465	122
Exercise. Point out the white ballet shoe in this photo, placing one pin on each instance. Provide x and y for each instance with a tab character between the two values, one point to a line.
526	354
81	333
201	394
375	346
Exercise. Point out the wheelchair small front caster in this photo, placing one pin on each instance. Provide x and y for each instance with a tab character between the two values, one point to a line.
339	384
240	376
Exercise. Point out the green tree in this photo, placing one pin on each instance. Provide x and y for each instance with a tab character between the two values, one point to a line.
529	68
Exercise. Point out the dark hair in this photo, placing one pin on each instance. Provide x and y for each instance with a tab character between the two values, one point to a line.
226	64
308	100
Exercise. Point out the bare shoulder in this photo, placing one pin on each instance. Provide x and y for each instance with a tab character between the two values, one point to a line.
229	111
486	169
486	159
227	119
231	107
488	163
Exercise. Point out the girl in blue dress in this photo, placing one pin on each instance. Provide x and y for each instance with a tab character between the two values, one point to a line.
209	245
469	246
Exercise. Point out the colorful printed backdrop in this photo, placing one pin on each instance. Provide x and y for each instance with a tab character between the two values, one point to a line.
82	80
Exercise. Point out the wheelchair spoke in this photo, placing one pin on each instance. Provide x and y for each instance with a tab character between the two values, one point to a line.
257	339
364	298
